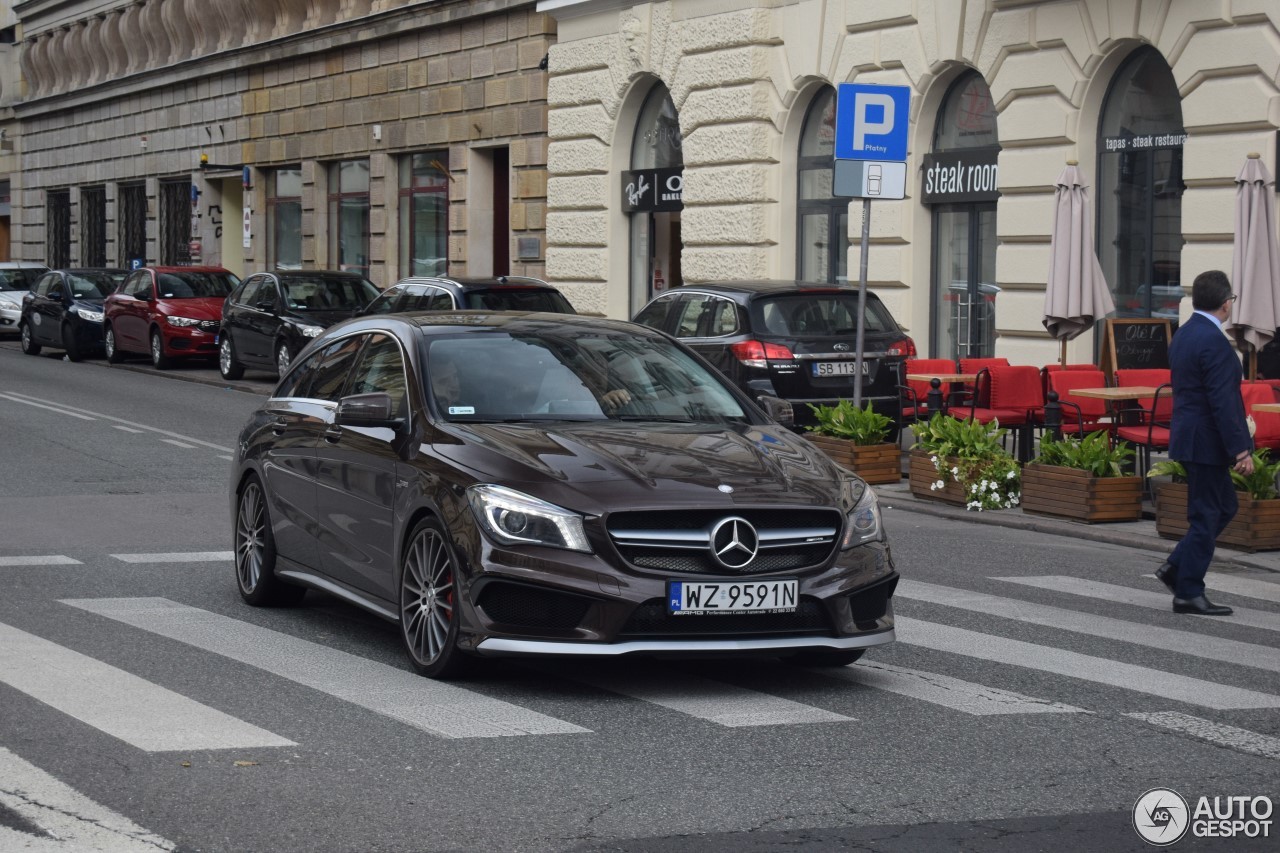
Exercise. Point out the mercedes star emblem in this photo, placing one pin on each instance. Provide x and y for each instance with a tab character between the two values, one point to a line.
734	543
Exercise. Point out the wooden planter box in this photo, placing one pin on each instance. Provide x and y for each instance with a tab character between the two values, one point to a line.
1078	495
1256	526
875	463
922	475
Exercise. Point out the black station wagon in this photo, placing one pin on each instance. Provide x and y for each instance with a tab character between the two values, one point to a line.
503	293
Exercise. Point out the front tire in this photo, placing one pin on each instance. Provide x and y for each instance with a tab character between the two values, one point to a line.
256	553
159	360
29	345
227	364
428	596
70	344
114	356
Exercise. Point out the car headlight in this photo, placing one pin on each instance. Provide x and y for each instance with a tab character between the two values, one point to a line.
9	305
182	321
310	331
89	316
863	524
514	518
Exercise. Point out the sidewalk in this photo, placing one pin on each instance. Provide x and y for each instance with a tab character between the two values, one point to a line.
1132	534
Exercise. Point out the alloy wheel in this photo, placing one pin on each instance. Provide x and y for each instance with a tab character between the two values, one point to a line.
250	538
283	359
224	356
426	602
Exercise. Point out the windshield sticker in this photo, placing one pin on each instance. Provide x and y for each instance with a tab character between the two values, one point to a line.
462	410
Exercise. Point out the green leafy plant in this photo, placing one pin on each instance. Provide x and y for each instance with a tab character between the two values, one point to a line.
1260	485
845	420
1092	453
972	455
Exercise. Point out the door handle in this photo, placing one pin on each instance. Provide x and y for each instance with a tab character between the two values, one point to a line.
333	434
279	425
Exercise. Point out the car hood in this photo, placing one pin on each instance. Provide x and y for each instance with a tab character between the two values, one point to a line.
91	304
597	467
197	308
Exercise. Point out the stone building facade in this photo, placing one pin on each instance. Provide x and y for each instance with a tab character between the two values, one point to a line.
387	136
1160	102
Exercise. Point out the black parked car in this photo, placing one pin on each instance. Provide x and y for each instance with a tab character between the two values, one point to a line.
271	316
503	293
788	339
64	310
603	493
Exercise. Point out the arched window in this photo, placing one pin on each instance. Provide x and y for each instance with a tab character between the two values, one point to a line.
1139	197
651	196
822	220
960	184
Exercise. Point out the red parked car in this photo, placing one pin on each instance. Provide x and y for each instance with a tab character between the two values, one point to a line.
167	313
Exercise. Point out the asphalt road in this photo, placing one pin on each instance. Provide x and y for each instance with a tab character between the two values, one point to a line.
144	707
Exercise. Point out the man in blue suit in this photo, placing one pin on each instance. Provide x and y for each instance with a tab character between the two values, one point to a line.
1209	436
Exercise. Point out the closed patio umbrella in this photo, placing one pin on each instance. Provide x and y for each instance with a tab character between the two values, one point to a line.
1255	261
1076	294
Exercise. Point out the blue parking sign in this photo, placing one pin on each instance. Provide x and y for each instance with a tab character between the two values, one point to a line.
872	122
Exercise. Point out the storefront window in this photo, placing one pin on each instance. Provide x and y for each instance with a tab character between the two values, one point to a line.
349	215
960	183
424	213
1140	187
652	192
284	219
823	220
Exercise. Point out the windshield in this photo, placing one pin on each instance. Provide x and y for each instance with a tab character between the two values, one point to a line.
323	293
519	299
573	375
808	315
19	279
190	285
93	285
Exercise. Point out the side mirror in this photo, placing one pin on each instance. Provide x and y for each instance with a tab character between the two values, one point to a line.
367	410
143	296
778	409
266	305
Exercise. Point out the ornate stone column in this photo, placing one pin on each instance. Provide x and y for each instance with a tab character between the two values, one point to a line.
290	15
177	29
132	48
154	35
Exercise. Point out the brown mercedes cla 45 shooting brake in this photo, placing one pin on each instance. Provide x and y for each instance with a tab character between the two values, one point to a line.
546	484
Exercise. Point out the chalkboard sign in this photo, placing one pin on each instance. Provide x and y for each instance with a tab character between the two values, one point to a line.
1135	344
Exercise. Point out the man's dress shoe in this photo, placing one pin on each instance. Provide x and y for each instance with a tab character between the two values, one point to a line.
1201	606
1167	574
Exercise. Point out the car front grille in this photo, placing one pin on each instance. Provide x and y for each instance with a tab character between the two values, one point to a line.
680	540
651	619
210	326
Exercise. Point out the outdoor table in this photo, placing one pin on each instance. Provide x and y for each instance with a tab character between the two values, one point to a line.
1131	392
935	380
1267	407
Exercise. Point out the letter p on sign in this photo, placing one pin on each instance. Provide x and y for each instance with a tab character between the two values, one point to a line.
872	122
862	125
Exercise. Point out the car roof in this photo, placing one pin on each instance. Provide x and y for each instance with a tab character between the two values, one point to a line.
21	265
446	322
309	274
476	283
184	269
79	270
769	287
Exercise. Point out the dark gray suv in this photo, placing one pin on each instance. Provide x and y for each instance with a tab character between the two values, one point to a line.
503	293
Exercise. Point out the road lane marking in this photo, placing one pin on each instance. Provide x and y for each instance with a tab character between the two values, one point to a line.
50	408
52	560
1215	733
714	701
178	557
224	456
117	702
177	443
965	696
70	410
72	820
128	429
1141	598
1154	636
1247	587
1166	685
432	706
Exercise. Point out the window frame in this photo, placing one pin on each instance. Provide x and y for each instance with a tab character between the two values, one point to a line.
336	199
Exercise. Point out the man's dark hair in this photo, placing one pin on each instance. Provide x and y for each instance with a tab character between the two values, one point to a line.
1210	290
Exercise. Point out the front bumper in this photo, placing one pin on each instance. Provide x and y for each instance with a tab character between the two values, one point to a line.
9	319
506	646
180	341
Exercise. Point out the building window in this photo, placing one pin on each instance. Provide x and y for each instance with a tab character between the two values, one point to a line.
175	222
93	226
58	229
653	198
349	215
424	213
133	225
284	219
1140	188
822	224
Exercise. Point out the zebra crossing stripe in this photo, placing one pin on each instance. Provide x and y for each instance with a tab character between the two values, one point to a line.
964	696
72	820
1166	685
179	557
123	705
53	560
1153	636
714	701
1243	616
1231	737
1247	587
432	706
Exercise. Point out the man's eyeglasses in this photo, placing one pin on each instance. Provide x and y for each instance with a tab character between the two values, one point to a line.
1233	297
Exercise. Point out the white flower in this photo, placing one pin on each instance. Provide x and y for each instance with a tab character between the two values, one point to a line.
933	487
995	487
955	471
1009	476
933	459
939	485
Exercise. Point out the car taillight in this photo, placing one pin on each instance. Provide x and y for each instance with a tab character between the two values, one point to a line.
905	347
757	354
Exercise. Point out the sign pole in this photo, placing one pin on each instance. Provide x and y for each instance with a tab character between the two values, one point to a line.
862	302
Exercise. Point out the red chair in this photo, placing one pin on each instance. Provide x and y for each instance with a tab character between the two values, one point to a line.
1016	400
1056	367
1268	423
914	393
1145	422
1080	414
978	394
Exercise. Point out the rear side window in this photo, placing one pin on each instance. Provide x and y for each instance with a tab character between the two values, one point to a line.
519	299
426	299
381	368
722	317
818	315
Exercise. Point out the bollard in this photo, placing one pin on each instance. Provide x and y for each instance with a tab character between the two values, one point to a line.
1053	415
934	398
